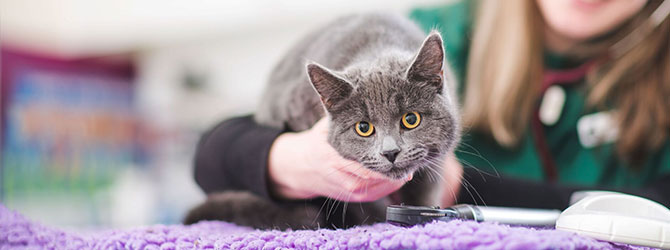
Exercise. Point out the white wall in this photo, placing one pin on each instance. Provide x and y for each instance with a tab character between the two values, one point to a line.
84	27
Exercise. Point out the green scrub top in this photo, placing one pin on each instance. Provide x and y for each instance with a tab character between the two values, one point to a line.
575	163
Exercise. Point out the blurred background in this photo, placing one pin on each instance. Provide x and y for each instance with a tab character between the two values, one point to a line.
102	102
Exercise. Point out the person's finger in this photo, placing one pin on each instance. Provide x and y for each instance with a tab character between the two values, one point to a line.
367	173
373	194
371	187
374	183
338	182
346	165
453	172
347	187
362	172
377	190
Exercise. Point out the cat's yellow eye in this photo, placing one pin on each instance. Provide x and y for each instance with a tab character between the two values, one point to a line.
411	120
364	129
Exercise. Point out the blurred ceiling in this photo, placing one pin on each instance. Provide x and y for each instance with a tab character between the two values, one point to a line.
73	28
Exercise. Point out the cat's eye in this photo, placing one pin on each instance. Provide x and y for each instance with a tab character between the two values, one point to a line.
364	129
411	120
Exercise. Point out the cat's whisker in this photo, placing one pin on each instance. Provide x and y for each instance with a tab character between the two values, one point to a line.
430	172
465	184
481	173
335	201
434	167
320	210
478	154
338	199
366	187
452	191
346	201
354	170
336	170
344	207
344	210
329	204
318	213
434	171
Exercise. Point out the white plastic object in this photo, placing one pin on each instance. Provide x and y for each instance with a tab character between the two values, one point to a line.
619	218
579	195
552	105
597	129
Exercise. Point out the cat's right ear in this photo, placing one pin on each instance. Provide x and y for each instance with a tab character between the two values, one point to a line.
331	88
428	63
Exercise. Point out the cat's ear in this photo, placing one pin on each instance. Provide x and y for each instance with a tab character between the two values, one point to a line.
427	65
331	88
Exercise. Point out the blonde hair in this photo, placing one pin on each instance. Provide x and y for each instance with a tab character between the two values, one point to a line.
505	71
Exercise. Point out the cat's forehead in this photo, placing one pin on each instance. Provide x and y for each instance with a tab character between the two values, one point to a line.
386	96
378	80
382	90
385	70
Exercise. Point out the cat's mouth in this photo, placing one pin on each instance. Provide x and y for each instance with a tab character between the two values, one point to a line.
402	169
414	160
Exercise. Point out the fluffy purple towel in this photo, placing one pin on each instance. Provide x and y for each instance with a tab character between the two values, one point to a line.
16	232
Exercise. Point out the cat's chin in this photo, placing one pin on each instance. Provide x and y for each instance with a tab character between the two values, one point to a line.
398	172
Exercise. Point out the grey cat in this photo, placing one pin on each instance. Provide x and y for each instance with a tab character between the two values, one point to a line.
388	95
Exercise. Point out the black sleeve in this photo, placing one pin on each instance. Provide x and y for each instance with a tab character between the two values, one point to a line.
481	189
234	155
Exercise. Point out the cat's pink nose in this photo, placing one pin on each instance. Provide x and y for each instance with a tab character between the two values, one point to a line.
391	154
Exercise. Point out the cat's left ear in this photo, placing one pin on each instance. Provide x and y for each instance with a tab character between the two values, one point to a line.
427	65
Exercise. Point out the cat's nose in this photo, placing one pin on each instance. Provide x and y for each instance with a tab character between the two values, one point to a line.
391	154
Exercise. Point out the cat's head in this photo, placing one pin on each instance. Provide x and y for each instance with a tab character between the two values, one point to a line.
395	115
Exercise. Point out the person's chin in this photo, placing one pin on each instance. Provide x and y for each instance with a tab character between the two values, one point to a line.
588	5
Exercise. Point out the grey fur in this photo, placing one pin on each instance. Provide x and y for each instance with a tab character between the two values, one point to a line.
373	68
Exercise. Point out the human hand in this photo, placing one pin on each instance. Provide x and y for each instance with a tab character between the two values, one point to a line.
452	171
303	165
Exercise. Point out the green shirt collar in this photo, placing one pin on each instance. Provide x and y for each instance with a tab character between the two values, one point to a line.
554	60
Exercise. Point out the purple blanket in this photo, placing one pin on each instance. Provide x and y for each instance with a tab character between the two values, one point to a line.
17	232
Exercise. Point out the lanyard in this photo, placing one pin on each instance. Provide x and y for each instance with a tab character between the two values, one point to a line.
551	78
572	76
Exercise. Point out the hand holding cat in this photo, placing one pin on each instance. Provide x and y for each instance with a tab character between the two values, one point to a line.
303	165
453	174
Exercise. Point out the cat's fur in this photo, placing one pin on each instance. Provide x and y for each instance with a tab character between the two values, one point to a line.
374	68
